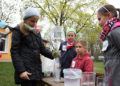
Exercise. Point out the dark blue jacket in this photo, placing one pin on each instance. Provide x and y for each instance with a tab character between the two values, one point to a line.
66	56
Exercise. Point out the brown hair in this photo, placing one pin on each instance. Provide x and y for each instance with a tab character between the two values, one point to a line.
84	43
109	8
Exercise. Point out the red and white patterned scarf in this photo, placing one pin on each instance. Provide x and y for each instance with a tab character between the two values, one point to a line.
109	26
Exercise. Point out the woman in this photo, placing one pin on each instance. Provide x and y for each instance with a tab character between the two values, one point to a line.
27	45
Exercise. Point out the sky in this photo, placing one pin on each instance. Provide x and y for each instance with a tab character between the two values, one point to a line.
116	3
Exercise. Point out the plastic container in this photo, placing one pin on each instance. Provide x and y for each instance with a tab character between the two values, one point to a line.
88	79
72	77
57	70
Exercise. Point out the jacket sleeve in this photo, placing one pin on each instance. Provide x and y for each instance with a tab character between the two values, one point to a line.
115	37
15	54
43	50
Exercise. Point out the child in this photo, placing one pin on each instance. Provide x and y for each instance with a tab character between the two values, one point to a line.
82	60
67	49
109	19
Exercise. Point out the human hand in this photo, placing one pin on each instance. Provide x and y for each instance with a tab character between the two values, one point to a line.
24	75
56	54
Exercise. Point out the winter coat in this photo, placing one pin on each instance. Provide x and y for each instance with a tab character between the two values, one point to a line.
25	53
111	50
66	56
83	62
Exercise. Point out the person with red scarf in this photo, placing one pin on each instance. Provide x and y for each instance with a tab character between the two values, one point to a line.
109	19
83	60
67	49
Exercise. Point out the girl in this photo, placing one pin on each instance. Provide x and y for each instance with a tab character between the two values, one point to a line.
82	60
109	19
67	49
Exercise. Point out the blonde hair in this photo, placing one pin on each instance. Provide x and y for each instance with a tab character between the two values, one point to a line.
84	43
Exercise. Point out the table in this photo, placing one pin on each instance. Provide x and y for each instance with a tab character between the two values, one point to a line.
50	82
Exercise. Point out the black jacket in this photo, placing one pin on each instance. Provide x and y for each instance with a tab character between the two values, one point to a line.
25	53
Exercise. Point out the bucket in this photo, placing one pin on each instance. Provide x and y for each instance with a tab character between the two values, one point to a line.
72	77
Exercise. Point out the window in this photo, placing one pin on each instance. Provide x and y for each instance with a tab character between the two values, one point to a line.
4	43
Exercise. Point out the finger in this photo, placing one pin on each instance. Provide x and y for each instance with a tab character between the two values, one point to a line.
29	73
27	77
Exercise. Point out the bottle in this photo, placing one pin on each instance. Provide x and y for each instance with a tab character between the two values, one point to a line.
57	70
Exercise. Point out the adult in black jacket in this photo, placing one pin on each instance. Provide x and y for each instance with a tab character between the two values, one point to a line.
27	45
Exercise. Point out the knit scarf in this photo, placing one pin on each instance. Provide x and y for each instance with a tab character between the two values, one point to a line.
109	26
70	44
29	28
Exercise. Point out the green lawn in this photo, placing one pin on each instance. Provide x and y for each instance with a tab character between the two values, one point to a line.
7	72
99	67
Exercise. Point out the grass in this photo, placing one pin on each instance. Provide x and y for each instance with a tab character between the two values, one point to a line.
7	72
99	67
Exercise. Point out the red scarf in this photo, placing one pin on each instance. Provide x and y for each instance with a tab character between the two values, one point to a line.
109	26
70	44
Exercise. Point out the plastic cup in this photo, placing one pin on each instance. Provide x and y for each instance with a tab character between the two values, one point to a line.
88	79
100	81
72	77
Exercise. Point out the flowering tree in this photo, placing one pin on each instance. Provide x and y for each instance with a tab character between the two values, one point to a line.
9	11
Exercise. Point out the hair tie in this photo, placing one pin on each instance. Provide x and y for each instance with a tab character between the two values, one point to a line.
117	14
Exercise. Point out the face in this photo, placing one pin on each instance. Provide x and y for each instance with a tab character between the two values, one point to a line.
71	36
80	49
102	19
32	21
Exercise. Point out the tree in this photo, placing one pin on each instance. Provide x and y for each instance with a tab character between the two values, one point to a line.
79	14
67	13
91	35
9	11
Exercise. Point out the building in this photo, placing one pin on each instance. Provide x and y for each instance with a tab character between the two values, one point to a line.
5	45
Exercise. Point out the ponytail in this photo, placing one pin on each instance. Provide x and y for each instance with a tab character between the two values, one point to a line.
110	8
118	13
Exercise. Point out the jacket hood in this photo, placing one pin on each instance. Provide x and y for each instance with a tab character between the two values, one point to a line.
88	54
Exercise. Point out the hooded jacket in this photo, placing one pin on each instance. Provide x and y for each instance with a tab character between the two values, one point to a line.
83	62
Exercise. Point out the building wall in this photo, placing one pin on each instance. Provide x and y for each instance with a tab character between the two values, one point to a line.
6	56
